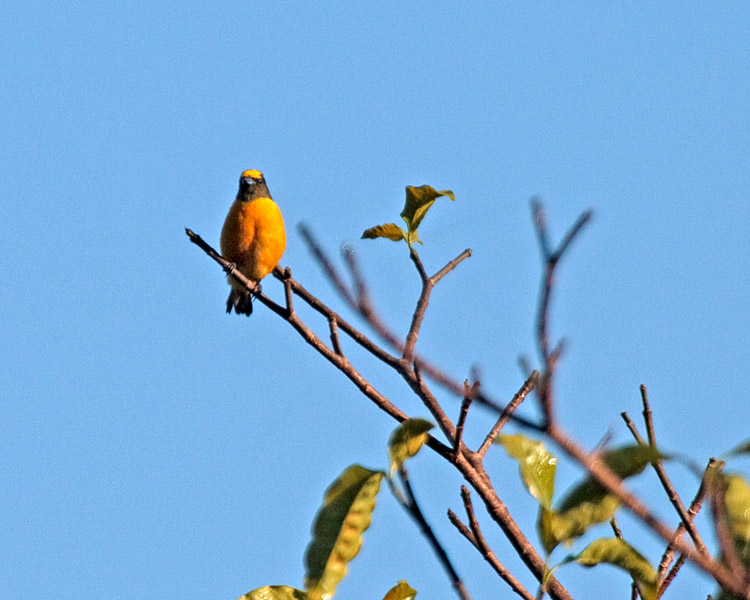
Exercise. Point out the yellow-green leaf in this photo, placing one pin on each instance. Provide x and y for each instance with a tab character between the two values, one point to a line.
631	460
390	231
536	465
337	531
556	527
418	202
738	513
401	591
617	552
275	592
406	440
589	503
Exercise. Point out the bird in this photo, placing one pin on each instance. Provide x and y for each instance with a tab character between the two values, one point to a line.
252	238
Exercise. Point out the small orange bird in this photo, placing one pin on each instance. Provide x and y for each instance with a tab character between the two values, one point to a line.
253	237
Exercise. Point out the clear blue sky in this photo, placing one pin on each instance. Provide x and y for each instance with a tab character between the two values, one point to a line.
154	447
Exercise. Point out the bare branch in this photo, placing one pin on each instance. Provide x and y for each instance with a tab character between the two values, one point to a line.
468	463
365	309
335	342
469	391
325	264
505	416
288	289
424	297
613	484
674	498
412	507
647	417
451	265
338	361
551	259
477	540
420	388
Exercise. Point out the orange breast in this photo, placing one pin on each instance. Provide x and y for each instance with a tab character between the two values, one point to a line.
253	237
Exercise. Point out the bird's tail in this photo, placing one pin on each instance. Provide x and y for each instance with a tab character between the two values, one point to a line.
241	301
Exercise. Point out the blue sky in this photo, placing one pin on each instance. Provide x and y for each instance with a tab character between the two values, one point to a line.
155	447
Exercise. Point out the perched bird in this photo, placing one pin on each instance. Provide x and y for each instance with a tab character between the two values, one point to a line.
252	238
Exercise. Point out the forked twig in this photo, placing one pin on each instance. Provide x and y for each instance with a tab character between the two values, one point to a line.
672	495
475	537
411	506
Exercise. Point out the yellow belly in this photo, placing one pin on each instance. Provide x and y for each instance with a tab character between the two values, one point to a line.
253	237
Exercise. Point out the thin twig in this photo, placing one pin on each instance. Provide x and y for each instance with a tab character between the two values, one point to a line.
672	495
475	537
469	390
504	417
672	574
412	507
361	293
695	506
468	464
418	385
428	283
648	417
551	260
288	290
418	264
365	309
325	264
614	485
335	342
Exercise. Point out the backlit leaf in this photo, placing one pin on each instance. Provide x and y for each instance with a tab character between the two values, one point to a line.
275	592
738	513
406	440
617	552
589	503
418	202
390	231
337	531
401	591
536	465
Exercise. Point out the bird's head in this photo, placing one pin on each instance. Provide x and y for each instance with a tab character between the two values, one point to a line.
252	185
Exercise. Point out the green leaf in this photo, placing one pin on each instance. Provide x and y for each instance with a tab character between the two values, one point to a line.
589	503
275	592
406	440
556	527
418	202
536	465
337	531
631	460
619	553
401	591
388	230
738	513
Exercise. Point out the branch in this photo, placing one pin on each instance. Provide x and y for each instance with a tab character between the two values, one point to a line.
551	260
340	362
424	298
505	416
412	507
362	305
674	498
613	484
469	391
477	540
